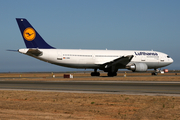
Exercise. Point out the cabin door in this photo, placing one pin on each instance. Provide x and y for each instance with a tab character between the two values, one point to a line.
59	55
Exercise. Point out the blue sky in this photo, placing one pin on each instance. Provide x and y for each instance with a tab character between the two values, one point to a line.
93	24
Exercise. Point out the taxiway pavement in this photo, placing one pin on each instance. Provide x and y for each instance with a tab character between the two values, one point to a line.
112	87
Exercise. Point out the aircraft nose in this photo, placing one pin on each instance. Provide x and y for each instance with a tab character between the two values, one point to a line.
172	60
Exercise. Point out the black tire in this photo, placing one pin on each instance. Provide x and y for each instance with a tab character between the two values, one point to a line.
154	73
112	74
95	74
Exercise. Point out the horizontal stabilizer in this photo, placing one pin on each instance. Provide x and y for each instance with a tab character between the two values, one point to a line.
31	52
34	52
12	50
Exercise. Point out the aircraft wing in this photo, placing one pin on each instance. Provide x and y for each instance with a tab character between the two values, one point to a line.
121	61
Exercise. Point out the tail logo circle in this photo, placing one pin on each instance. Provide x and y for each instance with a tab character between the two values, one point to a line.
29	34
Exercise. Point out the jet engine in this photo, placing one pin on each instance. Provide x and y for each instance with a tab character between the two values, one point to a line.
138	67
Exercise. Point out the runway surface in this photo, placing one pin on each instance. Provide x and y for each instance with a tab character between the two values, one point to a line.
112	87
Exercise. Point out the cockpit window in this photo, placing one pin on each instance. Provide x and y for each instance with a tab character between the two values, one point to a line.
168	57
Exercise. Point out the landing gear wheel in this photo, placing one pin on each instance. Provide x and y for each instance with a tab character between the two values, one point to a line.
111	74
95	74
154	73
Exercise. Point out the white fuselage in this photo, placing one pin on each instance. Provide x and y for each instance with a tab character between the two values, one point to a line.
74	58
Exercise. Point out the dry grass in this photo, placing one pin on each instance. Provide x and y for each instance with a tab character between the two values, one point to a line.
54	105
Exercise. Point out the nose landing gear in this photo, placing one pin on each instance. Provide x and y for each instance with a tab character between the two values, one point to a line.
155	72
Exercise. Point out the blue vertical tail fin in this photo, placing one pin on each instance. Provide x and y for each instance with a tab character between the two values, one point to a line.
31	37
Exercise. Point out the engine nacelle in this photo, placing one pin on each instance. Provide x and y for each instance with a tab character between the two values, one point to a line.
138	67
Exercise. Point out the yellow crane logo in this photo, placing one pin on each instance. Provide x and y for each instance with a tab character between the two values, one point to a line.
29	34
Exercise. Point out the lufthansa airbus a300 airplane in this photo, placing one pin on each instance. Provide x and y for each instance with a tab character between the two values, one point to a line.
107	60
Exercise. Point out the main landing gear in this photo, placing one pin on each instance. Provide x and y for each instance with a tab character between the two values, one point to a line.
95	73
111	74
